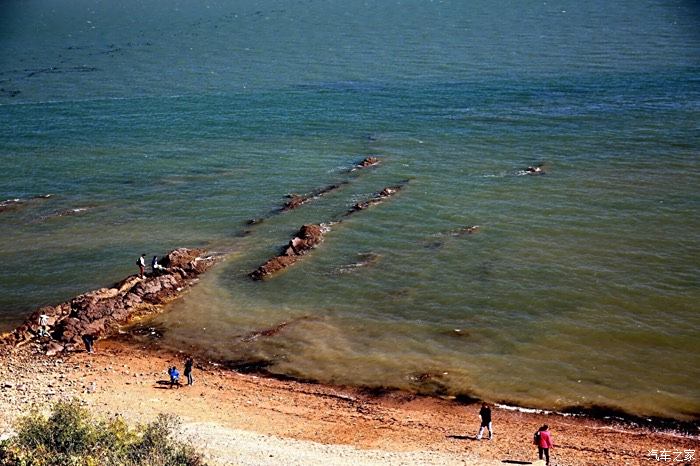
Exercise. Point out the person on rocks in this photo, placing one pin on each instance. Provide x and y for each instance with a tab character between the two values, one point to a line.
485	416
141	262
43	325
155	266
188	370
543	440
174	377
89	341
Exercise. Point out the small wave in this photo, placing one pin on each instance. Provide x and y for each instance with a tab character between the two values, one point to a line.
95	99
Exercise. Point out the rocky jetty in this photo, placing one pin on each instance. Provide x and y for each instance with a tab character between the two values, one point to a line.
307	238
378	198
100	313
296	200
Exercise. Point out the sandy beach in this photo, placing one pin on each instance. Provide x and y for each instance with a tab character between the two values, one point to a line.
249	419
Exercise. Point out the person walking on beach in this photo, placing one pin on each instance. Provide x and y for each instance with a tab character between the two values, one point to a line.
485	416
141	262
188	370
543	440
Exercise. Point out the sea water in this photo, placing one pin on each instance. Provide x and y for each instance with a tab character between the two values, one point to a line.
156	125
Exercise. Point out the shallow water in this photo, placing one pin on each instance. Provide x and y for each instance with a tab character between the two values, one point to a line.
172	125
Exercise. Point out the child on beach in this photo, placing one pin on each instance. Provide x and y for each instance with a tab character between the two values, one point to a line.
543	440
485	416
174	377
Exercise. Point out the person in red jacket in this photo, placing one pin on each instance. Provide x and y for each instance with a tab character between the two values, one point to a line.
543	440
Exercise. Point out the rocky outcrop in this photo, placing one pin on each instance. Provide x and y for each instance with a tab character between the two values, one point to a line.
308	237
378	198
101	312
296	200
366	163
538	169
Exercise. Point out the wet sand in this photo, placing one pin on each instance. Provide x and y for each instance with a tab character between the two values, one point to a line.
240	418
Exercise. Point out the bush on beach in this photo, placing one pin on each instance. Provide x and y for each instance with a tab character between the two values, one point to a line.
70	436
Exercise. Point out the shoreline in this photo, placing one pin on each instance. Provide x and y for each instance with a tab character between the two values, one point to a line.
689	426
289	416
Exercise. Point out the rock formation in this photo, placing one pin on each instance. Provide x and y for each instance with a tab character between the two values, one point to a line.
101	312
376	199
12	204
366	163
308	237
296	200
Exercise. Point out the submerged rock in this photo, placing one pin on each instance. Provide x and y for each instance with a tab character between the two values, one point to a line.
296	200
271	331
101	312
16	203
366	259
378	198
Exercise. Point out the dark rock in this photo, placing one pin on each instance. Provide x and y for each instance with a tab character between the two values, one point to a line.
367	162
378	198
296	200
308	237
535	170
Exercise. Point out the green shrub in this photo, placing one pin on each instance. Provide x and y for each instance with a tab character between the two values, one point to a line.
71	437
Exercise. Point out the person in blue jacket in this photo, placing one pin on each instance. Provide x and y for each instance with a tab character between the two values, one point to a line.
174	377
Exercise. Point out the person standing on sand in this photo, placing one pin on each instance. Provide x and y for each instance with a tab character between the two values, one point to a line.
485	416
543	440
188	370
141	262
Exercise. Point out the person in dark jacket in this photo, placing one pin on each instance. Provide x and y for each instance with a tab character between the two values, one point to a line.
188	370
485	416
89	341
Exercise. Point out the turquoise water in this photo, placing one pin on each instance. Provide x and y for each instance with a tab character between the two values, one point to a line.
165	124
